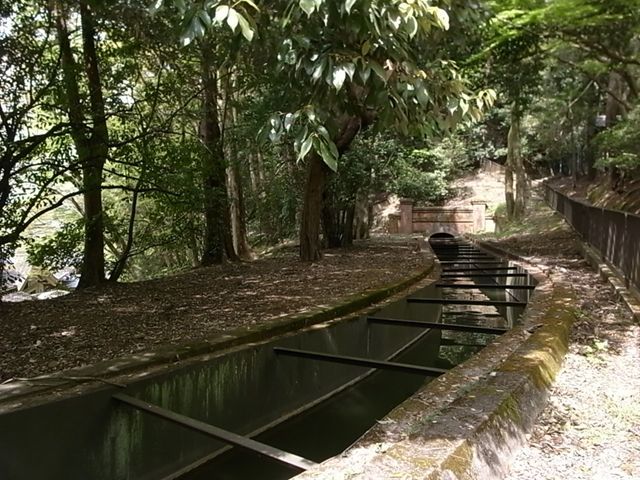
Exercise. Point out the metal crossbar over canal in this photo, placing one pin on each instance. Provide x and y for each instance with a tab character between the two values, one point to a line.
218	433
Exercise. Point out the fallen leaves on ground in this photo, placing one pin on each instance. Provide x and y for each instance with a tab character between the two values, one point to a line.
111	321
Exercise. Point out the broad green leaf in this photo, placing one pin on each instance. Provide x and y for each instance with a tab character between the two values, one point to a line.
348	5
423	96
365	73
306	146
308	6
366	47
464	106
288	120
412	26
324	132
232	19
338	78
350	68
317	72
442	18
245	28
376	67
221	13
334	149
155	6
405	9
251	4
204	18
328	157
197	27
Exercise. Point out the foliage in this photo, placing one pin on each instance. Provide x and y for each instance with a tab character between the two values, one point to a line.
272	209
394	96
426	174
383	164
620	145
369	60
60	250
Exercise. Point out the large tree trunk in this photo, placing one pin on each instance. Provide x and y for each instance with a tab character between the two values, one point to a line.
331	215
316	180
217	238
91	142
312	210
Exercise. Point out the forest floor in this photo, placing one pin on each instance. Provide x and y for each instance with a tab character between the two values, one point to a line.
590	428
85	327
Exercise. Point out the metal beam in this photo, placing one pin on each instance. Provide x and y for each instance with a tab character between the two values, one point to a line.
359	361
447	342
494	275
440	326
479	269
464	254
218	433
487	286
473	313
447	258
470	262
457	301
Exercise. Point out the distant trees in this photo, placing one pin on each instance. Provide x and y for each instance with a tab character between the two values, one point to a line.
557	65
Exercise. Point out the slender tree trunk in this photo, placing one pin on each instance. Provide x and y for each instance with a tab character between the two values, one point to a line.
614	110
91	142
589	153
509	189
216	213
518	166
238	213
253	174
120	265
513	196
369	223
347	235
236	190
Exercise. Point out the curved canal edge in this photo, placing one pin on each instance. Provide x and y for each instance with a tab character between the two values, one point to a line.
38	390
468	423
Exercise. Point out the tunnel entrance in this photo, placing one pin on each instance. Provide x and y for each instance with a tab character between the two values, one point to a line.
441	236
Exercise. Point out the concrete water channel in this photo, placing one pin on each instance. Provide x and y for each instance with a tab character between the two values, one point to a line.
273	409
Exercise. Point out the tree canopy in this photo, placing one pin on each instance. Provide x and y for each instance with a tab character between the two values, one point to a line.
174	133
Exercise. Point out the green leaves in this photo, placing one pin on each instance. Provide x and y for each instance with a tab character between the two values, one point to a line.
198	18
338	77
310	6
308	132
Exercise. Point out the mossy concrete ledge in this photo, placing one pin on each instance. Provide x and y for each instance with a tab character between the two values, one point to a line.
121	371
468	423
